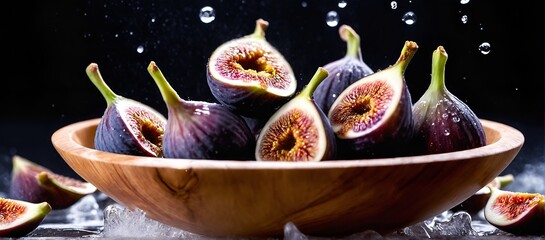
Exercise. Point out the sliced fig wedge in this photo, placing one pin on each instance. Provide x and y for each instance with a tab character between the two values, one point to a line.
249	75
372	117
19	218
299	130
516	212
127	126
34	183
476	202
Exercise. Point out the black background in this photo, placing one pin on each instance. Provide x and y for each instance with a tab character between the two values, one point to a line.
48	45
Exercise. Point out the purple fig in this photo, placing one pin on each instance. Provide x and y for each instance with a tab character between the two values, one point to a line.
299	130
516	212
127	126
342	72
34	183
201	130
19	218
249	75
372	117
442	122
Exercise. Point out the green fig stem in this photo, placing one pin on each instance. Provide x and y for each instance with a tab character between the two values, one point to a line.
94	75
318	77
352	40
170	95
505	180
439	61
260	28
407	53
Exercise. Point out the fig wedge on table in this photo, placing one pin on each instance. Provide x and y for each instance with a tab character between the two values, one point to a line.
34	183
476	202
19	218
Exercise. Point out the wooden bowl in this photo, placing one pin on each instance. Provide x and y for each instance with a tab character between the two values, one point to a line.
256	199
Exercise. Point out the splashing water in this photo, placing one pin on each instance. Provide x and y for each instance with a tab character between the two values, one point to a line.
409	18
464	1
484	48
207	14
393	4
464	19
342	4
332	18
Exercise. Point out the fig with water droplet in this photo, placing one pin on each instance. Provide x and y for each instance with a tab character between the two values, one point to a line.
443	123
476	202
299	130
342	72
249	75
19	218
201	130
372	117
34	183
516	212
127	126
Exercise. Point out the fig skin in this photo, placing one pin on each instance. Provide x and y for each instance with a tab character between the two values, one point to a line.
529	218
476	202
127	126
273	136
250	76
342	72
201	130
443	123
19	218
34	183
372	117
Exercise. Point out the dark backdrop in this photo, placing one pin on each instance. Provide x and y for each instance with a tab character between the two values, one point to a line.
49	44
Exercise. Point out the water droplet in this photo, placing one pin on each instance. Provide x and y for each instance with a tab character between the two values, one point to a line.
393	4
409	18
464	19
484	48
342	4
332	18
140	49
207	14
464	1
116	35
456	119
516	89
304	4
334	95
153	20
446	132
444	115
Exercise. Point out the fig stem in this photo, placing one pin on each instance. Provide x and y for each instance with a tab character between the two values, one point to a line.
407	53
318	77
439	60
352	40
94	75
170	95
260	28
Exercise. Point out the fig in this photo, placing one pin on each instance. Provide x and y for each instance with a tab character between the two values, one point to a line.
299	130
127	126
442	122
19	218
34	183
516	212
201	130
476	202
249	75
372	117
342	72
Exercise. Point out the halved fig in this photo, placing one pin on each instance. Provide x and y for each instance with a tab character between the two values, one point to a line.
299	130
372	117
127	126
34	183
19	218
476	202
516	212
249	75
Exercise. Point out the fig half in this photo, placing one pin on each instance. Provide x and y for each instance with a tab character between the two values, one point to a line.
19	218
372	117
516	212
299	130
201	130
342	72
34	183
249	75
442	122
127	126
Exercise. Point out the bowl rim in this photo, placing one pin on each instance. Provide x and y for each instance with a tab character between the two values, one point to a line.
64	139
